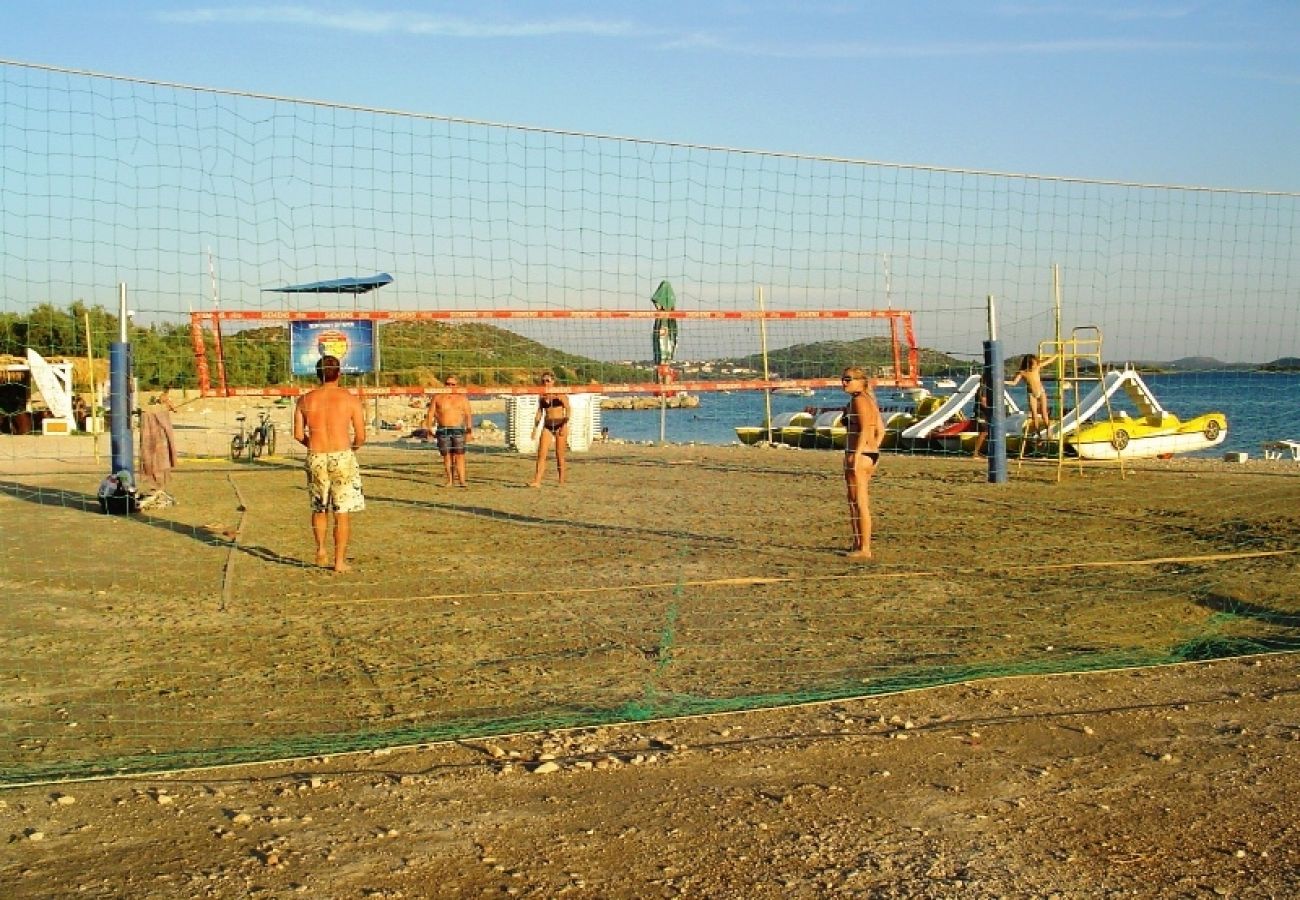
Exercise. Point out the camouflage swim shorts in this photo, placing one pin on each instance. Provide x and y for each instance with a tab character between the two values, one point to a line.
334	482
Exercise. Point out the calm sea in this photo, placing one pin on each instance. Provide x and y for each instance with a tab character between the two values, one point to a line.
1259	406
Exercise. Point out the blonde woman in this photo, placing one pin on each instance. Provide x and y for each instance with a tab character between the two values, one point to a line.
550	427
865	429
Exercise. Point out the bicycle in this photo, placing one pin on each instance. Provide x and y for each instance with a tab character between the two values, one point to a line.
261	439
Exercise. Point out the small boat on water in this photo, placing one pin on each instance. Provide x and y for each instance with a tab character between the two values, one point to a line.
830	433
1119	418
1095	429
823	427
1147	436
794	391
946	384
784	424
901	409
826	432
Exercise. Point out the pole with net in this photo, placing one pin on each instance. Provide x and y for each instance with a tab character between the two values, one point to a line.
119	374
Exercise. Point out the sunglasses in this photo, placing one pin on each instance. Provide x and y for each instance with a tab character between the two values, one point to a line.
452	383
845	379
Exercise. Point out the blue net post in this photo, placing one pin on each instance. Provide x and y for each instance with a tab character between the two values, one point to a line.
992	392
119	384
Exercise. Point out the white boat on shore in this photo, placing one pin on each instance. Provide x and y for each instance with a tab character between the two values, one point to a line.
1094	429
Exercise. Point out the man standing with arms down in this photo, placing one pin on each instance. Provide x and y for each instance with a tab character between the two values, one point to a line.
454	419
330	422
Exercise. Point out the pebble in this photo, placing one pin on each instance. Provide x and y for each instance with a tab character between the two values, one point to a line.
546	768
64	799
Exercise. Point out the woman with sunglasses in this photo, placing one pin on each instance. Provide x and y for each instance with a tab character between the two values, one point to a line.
550	427
864	430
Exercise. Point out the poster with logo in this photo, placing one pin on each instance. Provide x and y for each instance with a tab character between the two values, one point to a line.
351	340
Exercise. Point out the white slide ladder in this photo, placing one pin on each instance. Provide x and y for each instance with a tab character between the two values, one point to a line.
1127	380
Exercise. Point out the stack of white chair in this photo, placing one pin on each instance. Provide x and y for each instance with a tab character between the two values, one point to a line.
521	414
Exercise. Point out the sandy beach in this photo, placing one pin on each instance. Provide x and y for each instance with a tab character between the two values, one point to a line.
547	692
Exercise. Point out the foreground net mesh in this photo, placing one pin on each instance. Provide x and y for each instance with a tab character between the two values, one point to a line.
658	581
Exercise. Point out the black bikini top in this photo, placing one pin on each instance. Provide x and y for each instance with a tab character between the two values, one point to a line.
550	403
849	416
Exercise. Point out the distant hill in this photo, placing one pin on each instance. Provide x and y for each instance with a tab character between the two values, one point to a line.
425	353
1205	364
1283	364
826	359
1195	364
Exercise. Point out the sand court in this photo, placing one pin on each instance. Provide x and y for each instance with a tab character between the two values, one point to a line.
660	581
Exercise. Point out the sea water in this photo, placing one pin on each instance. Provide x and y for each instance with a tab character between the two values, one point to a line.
1260	407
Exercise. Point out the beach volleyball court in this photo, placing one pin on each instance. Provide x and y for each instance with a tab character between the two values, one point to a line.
658	582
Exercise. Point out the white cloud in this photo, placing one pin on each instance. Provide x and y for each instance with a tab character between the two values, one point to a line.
727	41
936	49
1120	13
371	22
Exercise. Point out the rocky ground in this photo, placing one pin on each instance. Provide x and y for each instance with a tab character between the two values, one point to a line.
656	582
1173	782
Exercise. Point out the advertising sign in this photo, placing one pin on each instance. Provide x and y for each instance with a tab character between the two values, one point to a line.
351	340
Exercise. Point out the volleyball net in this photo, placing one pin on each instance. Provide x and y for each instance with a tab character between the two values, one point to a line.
655	583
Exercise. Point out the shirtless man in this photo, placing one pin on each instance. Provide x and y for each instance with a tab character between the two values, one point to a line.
331	424
452	416
1031	368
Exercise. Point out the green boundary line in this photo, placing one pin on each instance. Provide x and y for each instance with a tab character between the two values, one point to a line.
654	705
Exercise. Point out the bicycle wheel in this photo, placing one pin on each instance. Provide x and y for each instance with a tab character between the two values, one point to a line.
236	446
256	443
270	440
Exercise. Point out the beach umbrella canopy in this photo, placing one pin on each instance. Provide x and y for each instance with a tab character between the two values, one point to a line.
665	330
337	285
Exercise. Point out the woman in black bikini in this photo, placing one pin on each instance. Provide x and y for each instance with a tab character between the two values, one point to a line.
550	427
865	429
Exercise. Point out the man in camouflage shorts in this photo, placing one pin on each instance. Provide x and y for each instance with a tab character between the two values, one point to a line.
331	424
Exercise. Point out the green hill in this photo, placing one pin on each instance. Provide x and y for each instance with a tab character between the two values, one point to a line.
1283	364
826	359
425	353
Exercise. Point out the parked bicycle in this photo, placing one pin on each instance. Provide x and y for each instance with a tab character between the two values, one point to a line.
261	439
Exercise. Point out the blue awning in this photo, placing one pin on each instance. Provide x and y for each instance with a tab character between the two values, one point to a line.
337	285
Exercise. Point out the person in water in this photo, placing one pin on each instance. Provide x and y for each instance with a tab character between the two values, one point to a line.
865	429
550	427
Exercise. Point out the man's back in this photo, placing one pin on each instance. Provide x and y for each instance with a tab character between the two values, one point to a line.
331	419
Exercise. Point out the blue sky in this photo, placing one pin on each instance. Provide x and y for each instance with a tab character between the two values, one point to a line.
106	180
1183	92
